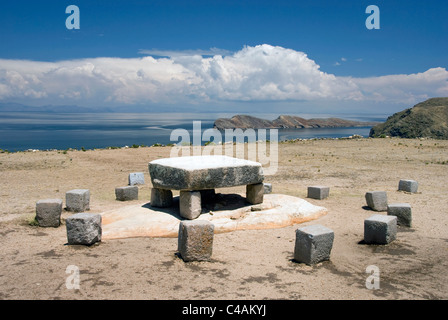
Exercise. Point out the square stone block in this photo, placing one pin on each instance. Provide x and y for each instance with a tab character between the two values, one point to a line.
126	193
190	206
408	185
195	240
402	211
83	228
380	229
318	192
48	212
136	178
254	193
377	200
77	200
313	244
161	198
267	188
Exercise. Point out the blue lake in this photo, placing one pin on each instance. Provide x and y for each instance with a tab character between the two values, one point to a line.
21	131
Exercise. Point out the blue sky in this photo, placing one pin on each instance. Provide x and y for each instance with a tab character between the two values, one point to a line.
411	42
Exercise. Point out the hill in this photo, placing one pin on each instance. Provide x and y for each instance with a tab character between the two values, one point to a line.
428	119
285	122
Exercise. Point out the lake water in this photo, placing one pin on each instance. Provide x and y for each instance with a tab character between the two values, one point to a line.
21	131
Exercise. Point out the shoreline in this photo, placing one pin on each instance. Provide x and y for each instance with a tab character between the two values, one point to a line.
136	146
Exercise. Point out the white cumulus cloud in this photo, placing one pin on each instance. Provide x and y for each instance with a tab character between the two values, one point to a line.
408	88
259	73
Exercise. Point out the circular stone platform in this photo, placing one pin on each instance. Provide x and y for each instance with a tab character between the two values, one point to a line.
229	212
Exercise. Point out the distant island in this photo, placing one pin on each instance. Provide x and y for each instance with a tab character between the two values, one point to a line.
428	119
286	122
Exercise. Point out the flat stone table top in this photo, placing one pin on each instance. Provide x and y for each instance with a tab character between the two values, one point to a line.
204	172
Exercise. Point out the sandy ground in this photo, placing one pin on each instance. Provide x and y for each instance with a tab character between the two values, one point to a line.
247	264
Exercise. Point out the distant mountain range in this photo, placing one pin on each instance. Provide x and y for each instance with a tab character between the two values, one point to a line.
428	119
17	107
286	122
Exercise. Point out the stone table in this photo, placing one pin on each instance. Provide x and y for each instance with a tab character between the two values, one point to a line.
196	175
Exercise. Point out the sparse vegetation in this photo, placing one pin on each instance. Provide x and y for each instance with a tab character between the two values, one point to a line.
32	221
428	119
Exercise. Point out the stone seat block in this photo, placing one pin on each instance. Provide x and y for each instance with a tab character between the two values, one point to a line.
408	185
318	192
195	240
48	212
136	178
267	188
377	200
84	228
127	193
402	211
380	229
313	244
77	200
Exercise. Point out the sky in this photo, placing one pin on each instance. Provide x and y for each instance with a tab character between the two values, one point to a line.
248	56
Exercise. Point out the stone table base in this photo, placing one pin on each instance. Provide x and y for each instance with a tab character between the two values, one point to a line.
193	176
230	212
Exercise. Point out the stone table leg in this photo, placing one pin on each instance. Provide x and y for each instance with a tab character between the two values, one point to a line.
190	204
254	193
161	198
208	196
